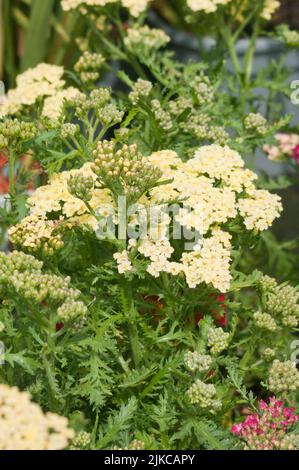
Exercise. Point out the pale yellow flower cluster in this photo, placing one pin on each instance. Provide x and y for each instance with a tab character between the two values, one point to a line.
211	6
145	37
35	233
55	197
135	7
44	80
24	426
208	6
53	105
215	188
124	265
260	209
271	6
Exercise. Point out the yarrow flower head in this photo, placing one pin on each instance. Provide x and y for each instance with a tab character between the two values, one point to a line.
268	354
256	122
265	321
81	441
283	377
203	90
141	38
281	302
214	186
35	233
211	6
124	265
14	131
39	82
141	89
21	277
218	340
88	66
24	426
207	6
289	37
135	7
53	105
204	395
198	362
266	430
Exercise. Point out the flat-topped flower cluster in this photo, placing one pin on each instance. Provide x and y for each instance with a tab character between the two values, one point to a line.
135	7
216	190
211	6
24	426
41	82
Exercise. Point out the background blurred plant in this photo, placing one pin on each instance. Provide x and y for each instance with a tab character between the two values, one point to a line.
33	31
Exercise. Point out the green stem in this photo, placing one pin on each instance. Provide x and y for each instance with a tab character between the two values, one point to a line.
131	314
231	46
250	53
11	176
133	334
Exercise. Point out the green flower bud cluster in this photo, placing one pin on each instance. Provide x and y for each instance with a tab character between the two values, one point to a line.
218	340
197	362
81	186
203	395
267	284
268	354
289	37
71	310
69	130
140	40
125	171
203	90
179	105
21	277
100	97
82	43
18	262
280	301
35	233
88	66
12	130
97	99
218	135
283	377
135	445
197	124
163	117
81	441
141	89
256	122
110	115
265	321
283	302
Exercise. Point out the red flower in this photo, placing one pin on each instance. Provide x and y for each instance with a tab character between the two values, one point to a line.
59	326
4	184
219	313
3	161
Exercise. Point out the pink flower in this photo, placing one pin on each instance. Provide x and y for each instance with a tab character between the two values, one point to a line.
263	405
296	154
237	429
252	421
266	429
